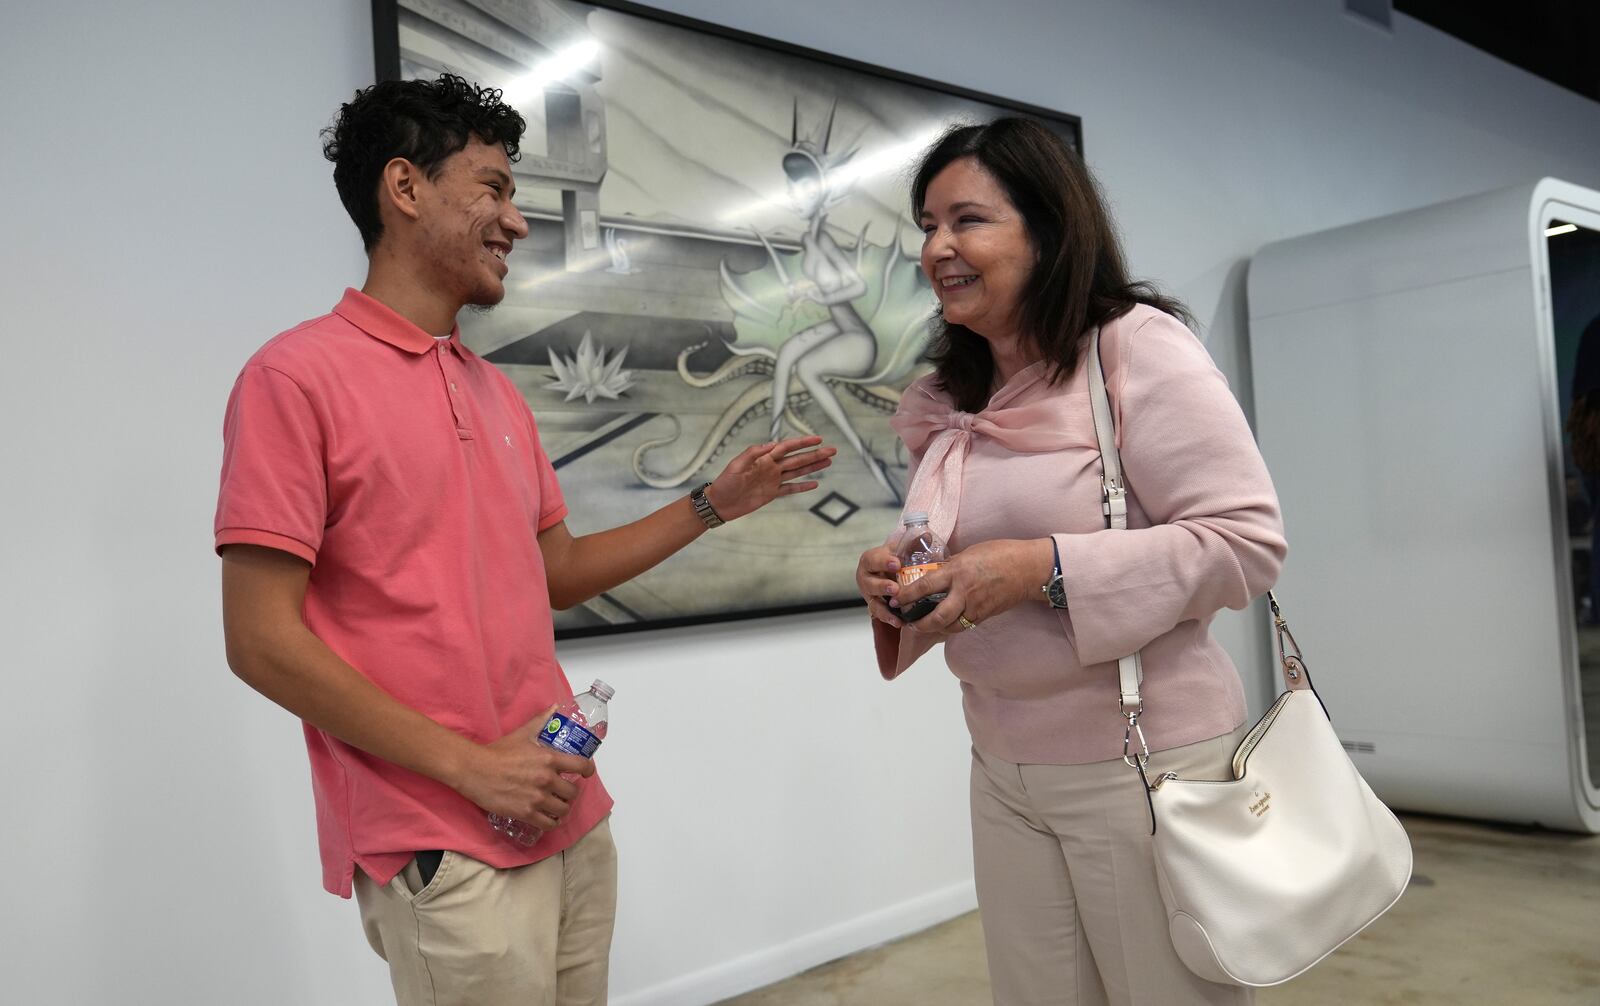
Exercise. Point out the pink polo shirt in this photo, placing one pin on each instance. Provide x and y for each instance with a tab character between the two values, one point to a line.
409	473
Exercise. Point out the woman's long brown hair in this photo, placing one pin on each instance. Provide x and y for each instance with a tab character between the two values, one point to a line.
1079	281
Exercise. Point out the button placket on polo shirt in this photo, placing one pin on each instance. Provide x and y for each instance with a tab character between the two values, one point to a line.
449	372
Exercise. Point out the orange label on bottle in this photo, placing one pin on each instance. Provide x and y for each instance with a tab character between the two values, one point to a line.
911	574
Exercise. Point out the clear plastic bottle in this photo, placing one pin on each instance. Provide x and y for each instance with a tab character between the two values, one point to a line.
576	727
921	552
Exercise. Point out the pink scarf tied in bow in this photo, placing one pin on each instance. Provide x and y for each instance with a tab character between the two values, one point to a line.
929	423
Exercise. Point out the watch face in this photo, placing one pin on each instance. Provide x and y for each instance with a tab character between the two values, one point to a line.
1056	592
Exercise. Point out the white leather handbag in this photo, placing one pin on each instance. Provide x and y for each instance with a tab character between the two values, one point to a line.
1268	872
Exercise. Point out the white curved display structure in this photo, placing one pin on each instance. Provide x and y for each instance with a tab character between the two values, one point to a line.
1408	404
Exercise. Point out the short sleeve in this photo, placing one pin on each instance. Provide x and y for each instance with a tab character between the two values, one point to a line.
274	489
552	505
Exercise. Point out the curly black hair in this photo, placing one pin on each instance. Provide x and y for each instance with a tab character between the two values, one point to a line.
423	121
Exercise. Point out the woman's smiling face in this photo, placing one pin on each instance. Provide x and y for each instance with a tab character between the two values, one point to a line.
976	250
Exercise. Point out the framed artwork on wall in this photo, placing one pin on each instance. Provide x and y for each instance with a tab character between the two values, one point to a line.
720	253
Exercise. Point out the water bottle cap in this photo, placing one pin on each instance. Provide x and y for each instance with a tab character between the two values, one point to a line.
915	517
603	690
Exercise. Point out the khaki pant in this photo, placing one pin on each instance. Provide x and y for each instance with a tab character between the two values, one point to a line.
1066	882
537	935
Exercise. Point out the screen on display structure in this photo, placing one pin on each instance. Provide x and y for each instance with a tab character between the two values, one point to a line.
1575	316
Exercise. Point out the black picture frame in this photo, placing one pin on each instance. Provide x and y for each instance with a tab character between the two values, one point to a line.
753	115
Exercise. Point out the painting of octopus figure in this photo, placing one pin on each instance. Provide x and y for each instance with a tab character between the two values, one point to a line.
720	253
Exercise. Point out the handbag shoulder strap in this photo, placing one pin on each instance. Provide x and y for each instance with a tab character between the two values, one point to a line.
1113	490
1114	493
1114	503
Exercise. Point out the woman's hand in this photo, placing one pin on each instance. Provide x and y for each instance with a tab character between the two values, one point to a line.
876	579
981	581
762	472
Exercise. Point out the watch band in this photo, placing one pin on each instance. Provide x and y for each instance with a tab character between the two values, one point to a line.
703	508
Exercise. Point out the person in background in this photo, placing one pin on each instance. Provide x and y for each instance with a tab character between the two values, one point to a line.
393	542
1042	599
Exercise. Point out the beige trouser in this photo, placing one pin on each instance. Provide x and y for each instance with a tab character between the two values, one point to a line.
1067	883
536	935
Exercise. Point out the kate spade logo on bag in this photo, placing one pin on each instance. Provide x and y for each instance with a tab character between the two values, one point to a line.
1262	804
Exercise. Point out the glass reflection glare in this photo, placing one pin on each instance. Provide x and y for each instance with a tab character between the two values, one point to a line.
556	69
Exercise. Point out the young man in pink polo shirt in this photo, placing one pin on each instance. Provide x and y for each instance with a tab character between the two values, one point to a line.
393	540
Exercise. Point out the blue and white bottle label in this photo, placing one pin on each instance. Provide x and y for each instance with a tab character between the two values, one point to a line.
567	735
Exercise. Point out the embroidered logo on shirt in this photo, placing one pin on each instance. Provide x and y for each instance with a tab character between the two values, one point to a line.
508	439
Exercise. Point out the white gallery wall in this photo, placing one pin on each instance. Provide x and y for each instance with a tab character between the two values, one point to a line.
166	210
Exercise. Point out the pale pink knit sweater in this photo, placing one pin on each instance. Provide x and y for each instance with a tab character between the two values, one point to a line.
1204	532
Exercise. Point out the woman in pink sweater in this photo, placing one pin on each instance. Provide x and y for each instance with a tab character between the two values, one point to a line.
1042	599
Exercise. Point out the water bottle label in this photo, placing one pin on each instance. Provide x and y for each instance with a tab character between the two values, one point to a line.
911	574
569	736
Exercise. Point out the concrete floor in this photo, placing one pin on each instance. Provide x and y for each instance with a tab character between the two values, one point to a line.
1496	916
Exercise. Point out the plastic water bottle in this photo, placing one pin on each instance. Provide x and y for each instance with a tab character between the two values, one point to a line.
576	727
921	552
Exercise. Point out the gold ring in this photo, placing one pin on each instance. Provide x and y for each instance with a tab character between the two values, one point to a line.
966	623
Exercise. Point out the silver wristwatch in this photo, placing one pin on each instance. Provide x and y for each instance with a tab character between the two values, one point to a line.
1055	589
703	507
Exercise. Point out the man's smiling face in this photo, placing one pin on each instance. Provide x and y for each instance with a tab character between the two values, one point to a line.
469	223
